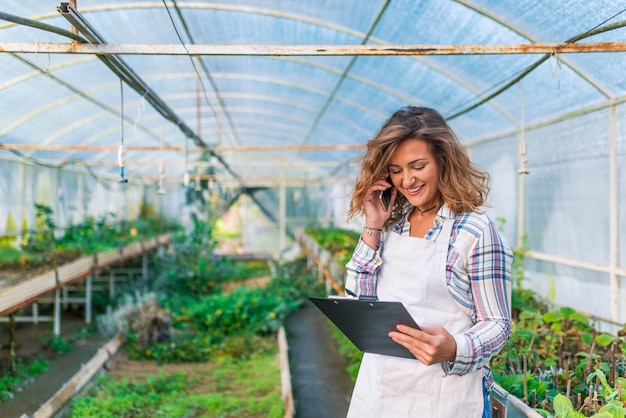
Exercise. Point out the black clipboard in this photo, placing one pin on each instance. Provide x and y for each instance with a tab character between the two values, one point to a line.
367	322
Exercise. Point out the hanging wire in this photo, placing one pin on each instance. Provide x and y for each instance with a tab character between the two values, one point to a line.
161	189
121	152
186	174
195	68
522	144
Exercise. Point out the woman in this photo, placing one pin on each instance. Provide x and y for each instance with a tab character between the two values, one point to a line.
434	250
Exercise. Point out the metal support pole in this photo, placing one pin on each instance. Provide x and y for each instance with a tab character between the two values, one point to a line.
65	298
282	214
88	300
12	357
111	285
111	52
36	313
613	217
144	268
57	312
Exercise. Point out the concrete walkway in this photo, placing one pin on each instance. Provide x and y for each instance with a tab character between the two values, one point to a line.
321	385
62	368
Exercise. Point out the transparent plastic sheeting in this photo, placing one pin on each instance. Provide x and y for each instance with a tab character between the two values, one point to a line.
567	114
65	99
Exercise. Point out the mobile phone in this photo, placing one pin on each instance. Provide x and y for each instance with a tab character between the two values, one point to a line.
385	196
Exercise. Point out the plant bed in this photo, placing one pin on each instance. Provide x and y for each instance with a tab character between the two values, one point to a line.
49	246
225	388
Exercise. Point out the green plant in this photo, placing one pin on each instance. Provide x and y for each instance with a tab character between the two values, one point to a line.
249	388
23	375
59	345
11	257
340	242
187	269
553	352
563	408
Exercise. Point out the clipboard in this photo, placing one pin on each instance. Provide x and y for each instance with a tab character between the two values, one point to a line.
367	322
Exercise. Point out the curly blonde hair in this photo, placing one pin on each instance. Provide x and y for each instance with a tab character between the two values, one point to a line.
463	187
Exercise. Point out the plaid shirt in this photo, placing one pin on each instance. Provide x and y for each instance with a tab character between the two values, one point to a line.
478	275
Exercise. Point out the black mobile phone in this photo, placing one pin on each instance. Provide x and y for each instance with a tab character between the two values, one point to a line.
385	196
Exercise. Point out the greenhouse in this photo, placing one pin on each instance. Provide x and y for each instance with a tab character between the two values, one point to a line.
177	177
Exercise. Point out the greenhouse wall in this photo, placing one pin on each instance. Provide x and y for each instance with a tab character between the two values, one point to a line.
569	210
72	196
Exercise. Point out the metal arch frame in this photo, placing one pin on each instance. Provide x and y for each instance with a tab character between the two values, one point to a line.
337	133
549	121
435	68
87	95
256	10
33	74
78	94
182	112
346	73
224	150
360	35
329	26
585	76
304	87
290	103
274	100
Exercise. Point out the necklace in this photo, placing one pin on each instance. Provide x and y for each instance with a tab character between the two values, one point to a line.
422	212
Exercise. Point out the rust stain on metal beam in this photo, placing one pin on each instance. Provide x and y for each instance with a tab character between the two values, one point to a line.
310	50
412	50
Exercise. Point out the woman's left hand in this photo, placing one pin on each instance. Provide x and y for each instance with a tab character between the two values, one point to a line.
429	345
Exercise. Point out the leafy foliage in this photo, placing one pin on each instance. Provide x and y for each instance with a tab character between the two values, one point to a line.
556	352
226	389
49	245
340	242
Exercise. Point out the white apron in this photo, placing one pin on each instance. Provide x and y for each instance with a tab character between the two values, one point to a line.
414	273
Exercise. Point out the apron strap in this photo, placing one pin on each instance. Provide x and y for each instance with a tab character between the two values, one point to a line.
443	240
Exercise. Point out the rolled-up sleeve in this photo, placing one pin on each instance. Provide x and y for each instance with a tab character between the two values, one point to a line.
489	273
362	270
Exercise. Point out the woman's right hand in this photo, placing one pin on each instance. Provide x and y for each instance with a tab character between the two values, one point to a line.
375	213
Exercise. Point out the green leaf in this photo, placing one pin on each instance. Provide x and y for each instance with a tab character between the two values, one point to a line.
527	315
615	409
553	317
580	318
604	340
562	405
607	389
586	337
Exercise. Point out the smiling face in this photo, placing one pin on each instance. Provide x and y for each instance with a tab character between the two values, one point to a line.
414	173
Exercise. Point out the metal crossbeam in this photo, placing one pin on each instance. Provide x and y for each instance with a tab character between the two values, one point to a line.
310	50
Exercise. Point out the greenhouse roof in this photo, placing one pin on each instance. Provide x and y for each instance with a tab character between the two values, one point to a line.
288	92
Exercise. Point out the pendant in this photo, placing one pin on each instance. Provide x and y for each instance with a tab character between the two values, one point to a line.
419	216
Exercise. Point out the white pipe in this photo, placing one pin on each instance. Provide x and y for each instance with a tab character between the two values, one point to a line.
613	217
57	312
